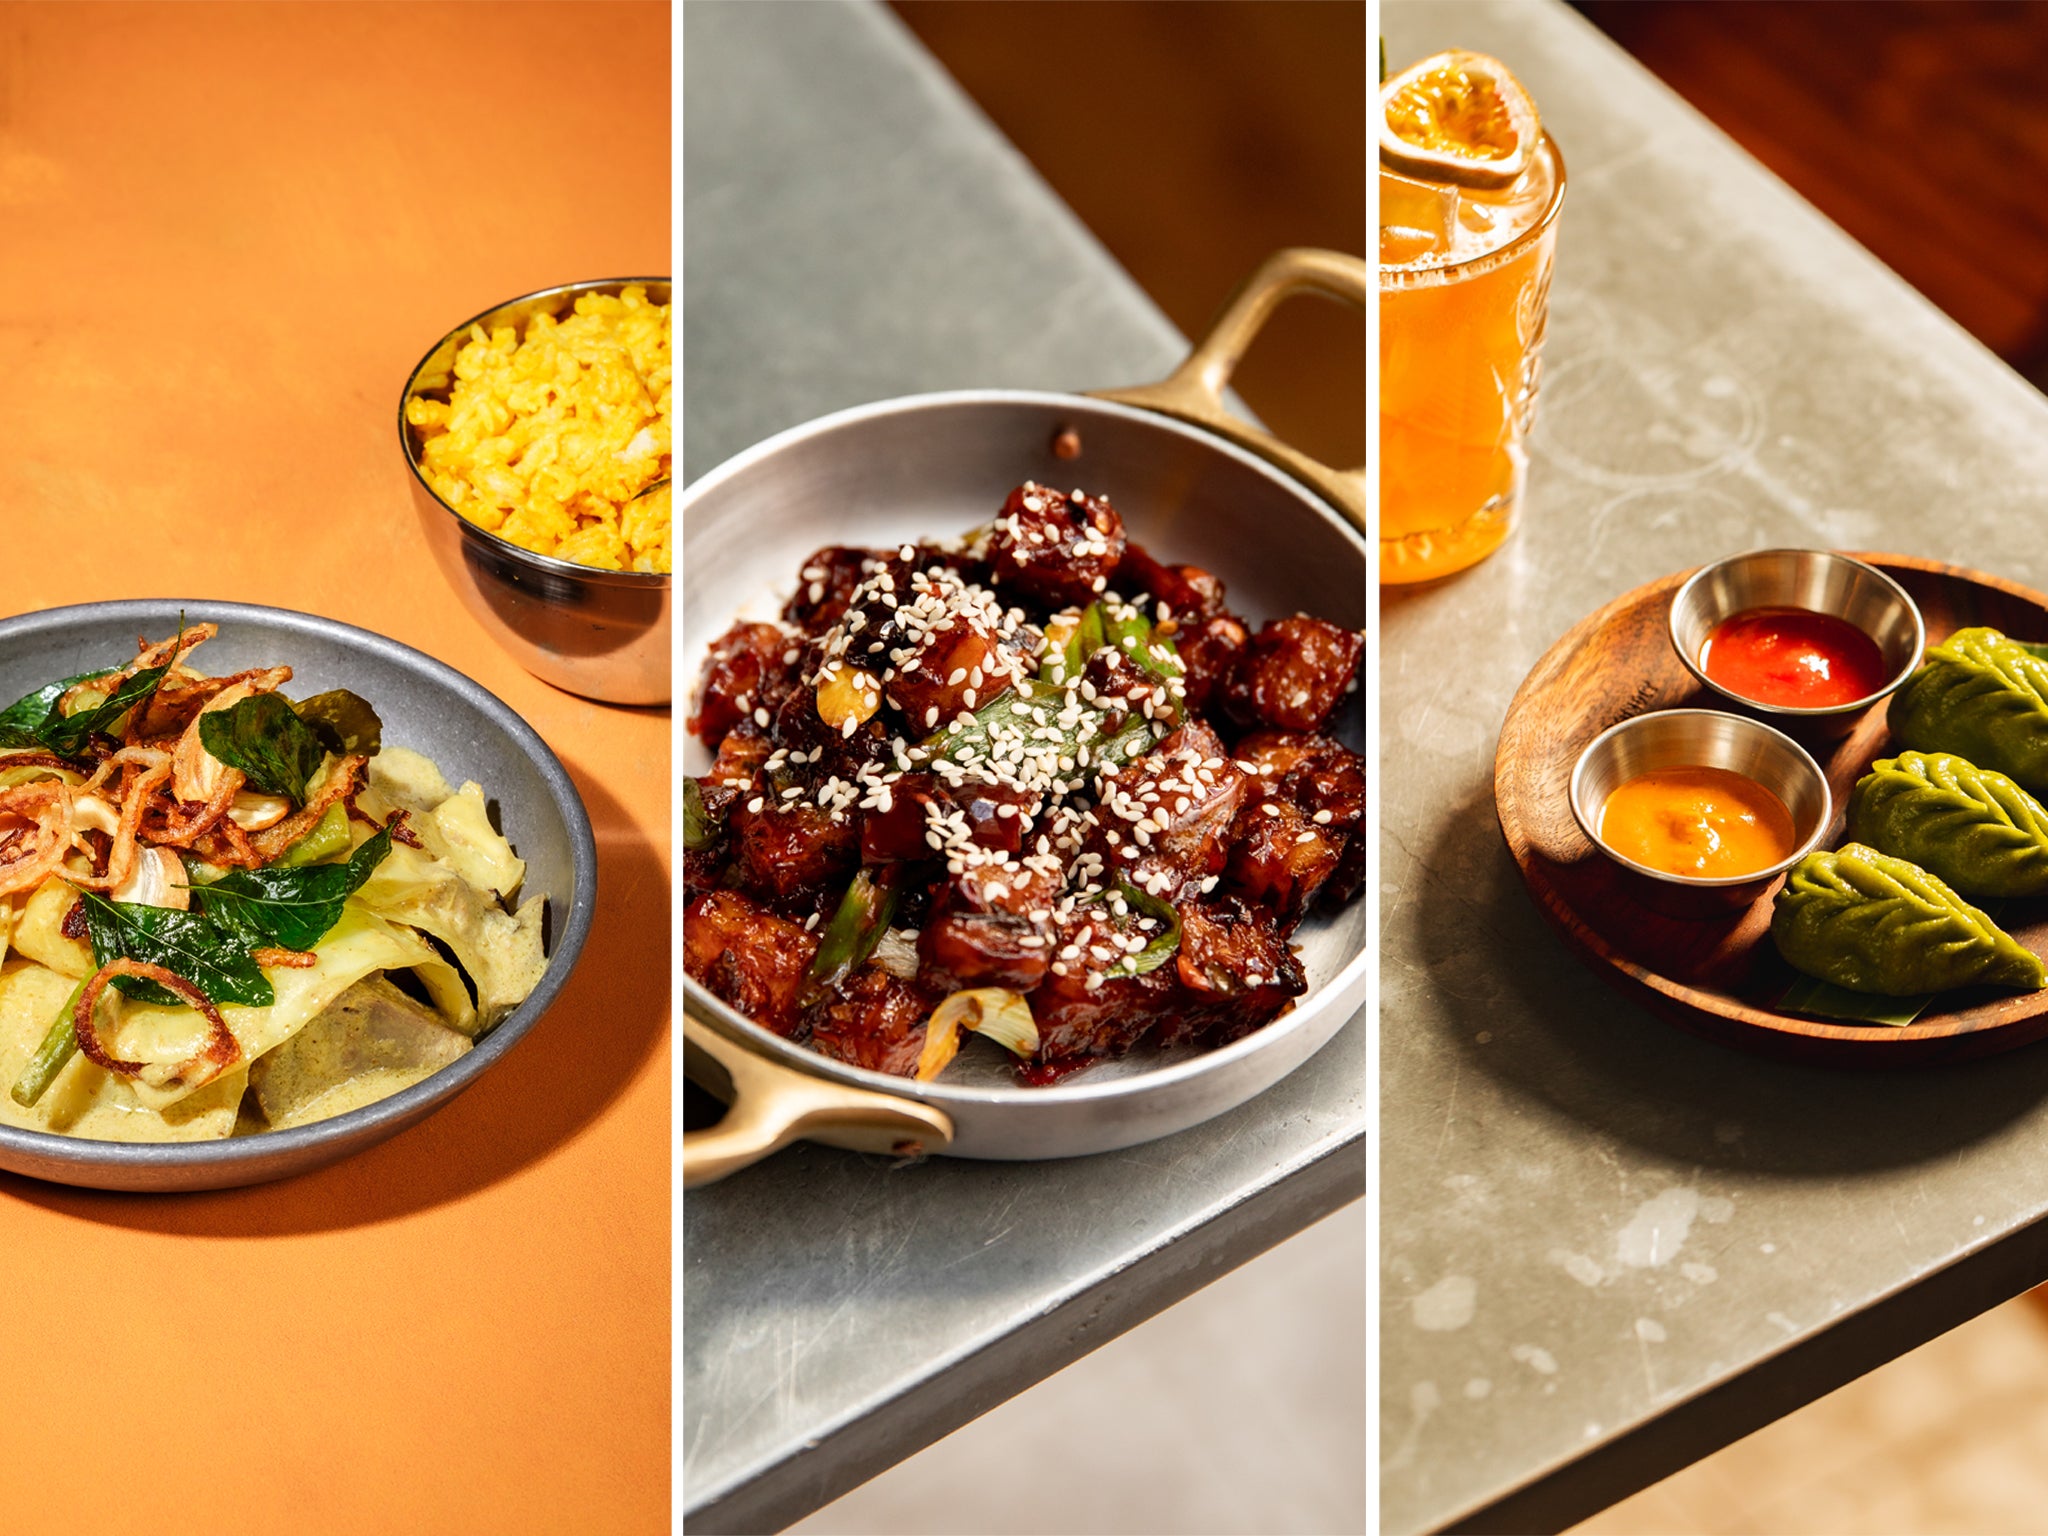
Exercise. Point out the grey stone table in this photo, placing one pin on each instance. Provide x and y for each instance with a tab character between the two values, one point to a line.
1609	1248
854	229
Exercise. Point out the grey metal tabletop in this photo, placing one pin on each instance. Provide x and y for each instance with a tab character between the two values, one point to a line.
854	229
1609	1248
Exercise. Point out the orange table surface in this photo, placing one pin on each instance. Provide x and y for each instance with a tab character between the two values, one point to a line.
226	235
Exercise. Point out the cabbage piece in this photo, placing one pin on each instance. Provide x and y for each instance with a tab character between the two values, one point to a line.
39	931
368	1044
409	779
86	1100
360	944
501	953
455	825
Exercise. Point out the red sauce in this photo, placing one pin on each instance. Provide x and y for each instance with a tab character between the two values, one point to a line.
1794	658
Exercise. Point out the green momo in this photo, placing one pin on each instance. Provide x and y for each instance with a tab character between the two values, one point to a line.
1871	923
1973	827
1984	697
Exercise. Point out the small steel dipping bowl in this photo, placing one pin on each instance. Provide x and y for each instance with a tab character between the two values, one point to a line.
601	634
1701	738
1821	582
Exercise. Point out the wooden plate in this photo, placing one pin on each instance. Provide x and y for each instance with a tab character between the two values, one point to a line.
1721	976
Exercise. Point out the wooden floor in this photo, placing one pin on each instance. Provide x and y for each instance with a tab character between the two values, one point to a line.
1919	126
1951	1440
1194	138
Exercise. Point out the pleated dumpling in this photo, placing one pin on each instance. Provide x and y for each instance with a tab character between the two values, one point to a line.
1974	827
1984	697
1872	923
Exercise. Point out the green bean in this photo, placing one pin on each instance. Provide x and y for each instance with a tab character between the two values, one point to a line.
57	1049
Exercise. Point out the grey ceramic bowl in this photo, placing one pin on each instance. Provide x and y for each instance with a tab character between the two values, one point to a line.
601	634
1702	738
424	705
1815	579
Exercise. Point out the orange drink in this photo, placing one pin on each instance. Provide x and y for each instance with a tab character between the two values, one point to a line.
1464	287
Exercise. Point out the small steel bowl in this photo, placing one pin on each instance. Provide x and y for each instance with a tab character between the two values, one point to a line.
1702	738
601	634
1819	581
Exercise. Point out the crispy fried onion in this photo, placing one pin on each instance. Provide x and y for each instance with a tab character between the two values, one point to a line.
34	759
181	700
285	959
150	769
177	827
400	828
220	1052
222	843
158	653
139	757
33	852
271	842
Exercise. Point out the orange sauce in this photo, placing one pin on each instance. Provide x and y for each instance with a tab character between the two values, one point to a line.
1705	822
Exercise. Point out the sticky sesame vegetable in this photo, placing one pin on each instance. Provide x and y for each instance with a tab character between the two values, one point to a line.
1039	799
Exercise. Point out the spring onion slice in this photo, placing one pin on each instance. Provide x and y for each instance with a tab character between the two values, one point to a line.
1000	1014
856	928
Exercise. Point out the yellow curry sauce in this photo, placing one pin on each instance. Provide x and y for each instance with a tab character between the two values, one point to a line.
1708	823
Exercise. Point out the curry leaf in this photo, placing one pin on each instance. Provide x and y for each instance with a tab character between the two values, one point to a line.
344	722
21	721
67	735
265	738
292	908
187	944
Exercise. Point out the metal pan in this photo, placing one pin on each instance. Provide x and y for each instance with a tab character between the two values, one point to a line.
1194	483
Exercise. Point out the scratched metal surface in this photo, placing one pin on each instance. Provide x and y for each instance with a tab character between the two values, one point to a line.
854	230
1607	1247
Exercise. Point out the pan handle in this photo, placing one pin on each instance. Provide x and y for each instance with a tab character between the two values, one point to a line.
770	1106
1194	391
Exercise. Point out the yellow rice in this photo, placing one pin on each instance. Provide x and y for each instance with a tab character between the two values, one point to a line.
546	441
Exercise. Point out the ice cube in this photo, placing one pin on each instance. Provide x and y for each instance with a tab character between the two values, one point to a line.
1418	219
